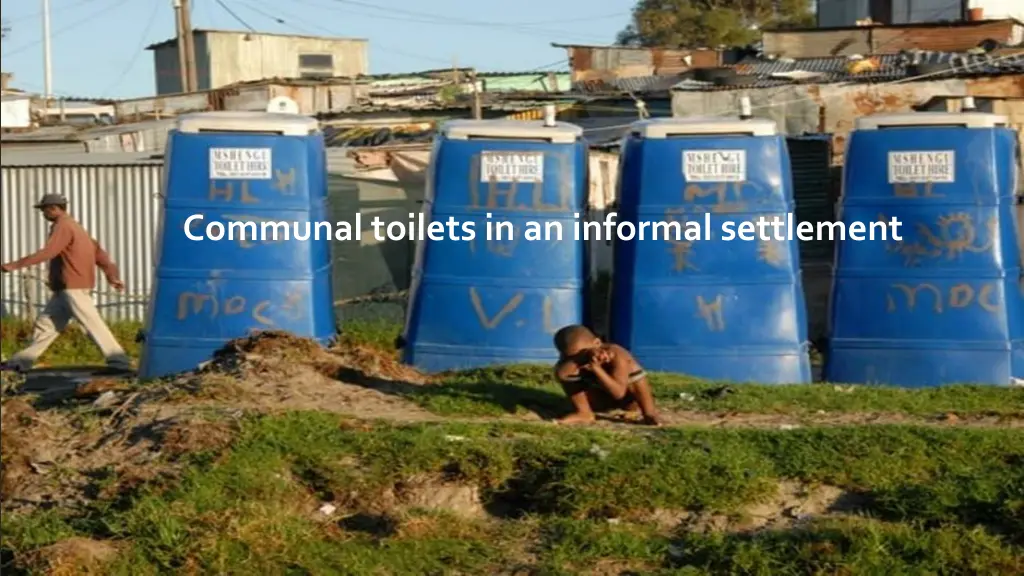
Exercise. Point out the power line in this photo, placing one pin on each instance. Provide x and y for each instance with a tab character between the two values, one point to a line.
290	24
234	15
59	31
526	29
558	62
271	17
462	21
138	51
435	20
38	14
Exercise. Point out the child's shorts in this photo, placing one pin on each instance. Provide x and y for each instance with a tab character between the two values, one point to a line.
590	381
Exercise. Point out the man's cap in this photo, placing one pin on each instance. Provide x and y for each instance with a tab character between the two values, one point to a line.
52	200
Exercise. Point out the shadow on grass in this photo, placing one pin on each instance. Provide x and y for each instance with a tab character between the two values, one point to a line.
1000	509
479	392
54	385
858	546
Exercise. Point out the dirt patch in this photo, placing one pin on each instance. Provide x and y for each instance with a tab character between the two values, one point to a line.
460	499
792	503
185	437
65	459
27	444
98	386
70	557
129	435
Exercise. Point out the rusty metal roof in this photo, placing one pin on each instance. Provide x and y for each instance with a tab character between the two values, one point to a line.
197	31
765	73
635	84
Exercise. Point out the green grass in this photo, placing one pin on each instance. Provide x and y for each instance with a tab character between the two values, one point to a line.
73	348
380	334
518	389
933	500
560	500
495	391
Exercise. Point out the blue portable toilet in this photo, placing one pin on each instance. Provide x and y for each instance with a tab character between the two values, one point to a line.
712	307
476	301
246	185
943	304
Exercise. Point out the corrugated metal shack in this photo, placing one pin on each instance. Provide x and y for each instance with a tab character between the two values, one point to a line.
594	66
225	57
148	136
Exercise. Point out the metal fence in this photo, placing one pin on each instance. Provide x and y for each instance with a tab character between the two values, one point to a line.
114	196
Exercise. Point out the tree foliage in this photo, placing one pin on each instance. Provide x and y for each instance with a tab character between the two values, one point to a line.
710	23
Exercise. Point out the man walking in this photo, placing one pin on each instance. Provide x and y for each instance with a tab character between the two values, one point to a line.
73	256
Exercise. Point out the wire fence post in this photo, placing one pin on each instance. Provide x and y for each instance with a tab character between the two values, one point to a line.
30	301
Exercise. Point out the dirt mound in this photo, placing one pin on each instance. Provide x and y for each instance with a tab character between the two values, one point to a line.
274	371
267	350
377	364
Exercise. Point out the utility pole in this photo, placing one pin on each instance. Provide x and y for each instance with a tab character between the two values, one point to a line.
47	64
190	47
478	113
456	77
179	29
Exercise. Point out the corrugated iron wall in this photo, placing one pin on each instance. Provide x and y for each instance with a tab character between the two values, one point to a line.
118	204
815	190
811	160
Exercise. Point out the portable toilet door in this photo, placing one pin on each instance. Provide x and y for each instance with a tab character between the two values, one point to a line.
484	290
706	297
941	304
238	249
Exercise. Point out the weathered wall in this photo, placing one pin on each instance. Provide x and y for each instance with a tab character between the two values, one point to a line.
167	66
224	58
312	98
606	63
886	40
246	57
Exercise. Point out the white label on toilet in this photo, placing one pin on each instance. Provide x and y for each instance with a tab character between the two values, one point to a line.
240	163
922	167
715	165
512	167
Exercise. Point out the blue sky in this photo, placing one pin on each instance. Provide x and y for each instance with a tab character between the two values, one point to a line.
97	45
